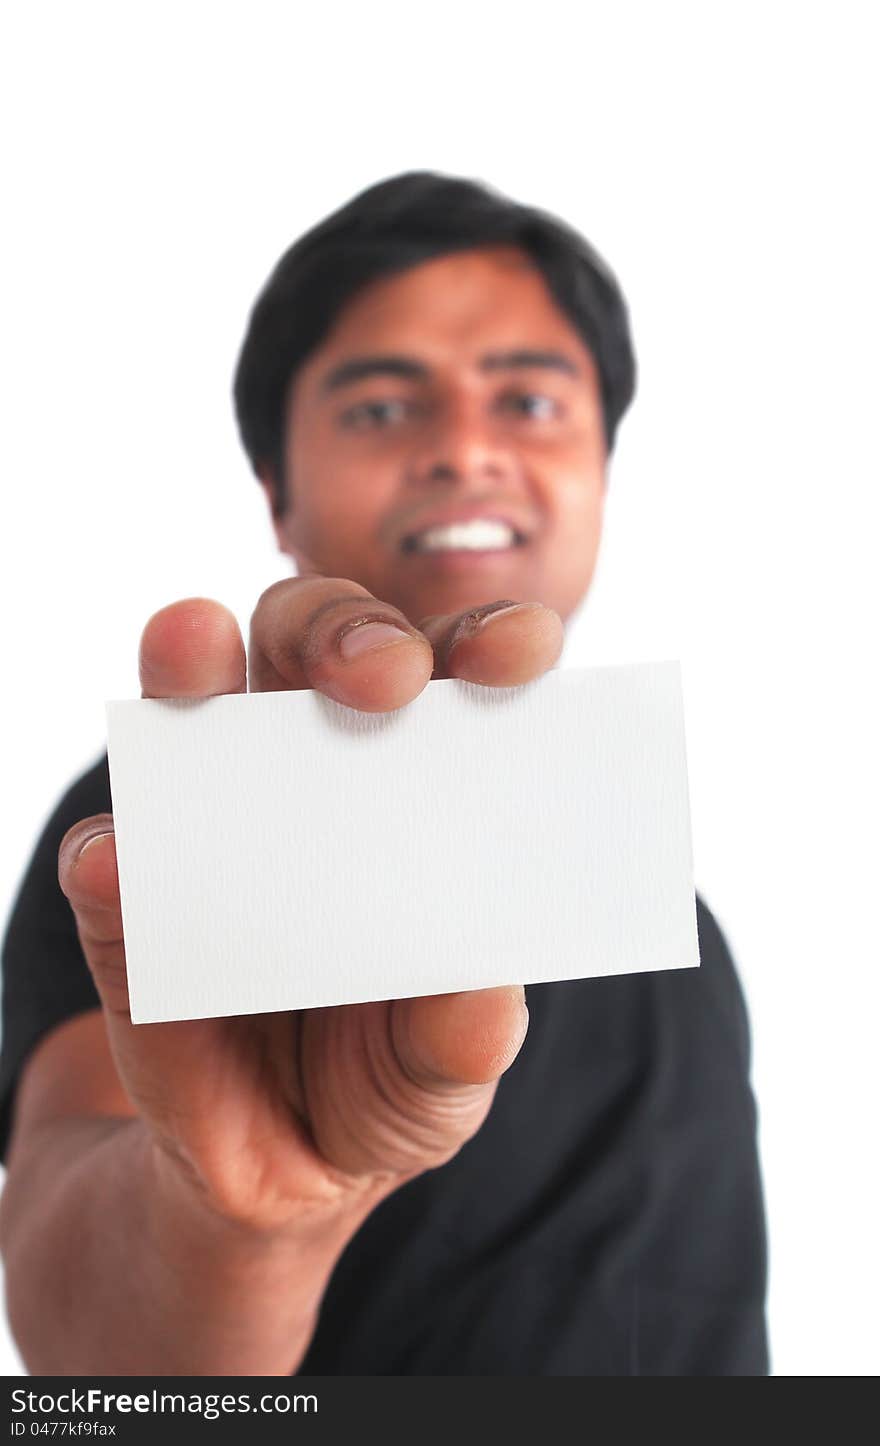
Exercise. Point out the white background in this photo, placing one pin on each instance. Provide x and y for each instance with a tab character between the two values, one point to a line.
723	157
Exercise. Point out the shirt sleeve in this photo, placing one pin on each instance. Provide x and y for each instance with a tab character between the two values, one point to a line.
46	979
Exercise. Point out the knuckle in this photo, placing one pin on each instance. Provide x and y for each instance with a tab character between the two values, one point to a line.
328	593
111	980
266	602
270	594
286	588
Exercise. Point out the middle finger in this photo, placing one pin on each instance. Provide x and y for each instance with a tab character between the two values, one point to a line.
300	631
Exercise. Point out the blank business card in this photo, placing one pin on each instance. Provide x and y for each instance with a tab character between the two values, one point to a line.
282	851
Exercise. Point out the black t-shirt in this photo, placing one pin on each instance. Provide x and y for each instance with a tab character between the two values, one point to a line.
607	1218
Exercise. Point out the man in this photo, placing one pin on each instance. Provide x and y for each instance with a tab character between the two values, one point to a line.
428	392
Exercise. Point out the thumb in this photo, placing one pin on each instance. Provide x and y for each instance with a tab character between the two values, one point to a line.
461	1039
88	877
152	1059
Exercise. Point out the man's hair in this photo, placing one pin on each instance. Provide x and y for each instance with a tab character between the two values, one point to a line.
393	225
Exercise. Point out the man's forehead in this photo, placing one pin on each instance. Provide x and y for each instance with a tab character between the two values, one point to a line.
455	295
464	309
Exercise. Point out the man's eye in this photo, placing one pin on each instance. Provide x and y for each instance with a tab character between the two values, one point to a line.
376	414
530	404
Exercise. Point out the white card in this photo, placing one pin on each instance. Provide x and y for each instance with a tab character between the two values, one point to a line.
282	851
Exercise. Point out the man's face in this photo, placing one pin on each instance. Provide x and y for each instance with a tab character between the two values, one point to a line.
451	391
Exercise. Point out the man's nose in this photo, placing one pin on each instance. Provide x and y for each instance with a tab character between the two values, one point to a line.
460	445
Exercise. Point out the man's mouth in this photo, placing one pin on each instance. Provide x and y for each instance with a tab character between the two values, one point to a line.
483	536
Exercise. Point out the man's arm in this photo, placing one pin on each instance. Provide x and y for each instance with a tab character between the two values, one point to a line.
113	1263
178	1193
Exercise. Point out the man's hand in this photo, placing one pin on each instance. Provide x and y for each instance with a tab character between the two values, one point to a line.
273	1119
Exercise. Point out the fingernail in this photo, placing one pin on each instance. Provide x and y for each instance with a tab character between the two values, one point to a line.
500	612
497	612
88	843
362	636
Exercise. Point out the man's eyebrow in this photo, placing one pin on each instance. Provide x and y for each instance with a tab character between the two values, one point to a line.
370	366
529	357
357	368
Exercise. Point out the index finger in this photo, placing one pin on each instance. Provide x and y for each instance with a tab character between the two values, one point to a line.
192	649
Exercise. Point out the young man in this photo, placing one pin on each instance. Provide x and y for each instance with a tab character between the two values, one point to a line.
428	392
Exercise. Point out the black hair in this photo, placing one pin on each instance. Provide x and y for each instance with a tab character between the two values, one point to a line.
392	225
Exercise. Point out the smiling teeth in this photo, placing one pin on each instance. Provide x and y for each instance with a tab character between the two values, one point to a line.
477	535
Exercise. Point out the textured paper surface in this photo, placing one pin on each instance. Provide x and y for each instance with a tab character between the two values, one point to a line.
281	851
